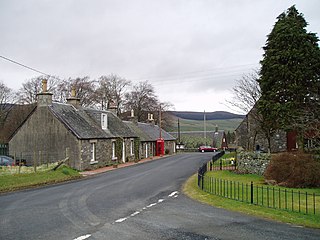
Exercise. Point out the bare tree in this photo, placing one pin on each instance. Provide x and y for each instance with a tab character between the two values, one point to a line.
112	88
28	92
6	102
142	99
246	93
85	90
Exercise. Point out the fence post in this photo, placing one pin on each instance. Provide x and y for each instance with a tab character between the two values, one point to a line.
34	161
68	155
251	187
210	166
202	180
220	164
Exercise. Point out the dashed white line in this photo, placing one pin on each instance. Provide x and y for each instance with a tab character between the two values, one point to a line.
151	205
134	214
120	220
173	193
83	237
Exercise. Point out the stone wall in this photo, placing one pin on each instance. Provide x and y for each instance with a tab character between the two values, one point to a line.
252	162
43	138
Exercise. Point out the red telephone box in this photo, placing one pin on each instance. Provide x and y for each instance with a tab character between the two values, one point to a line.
160	147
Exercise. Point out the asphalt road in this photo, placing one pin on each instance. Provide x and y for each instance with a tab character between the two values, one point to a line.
139	202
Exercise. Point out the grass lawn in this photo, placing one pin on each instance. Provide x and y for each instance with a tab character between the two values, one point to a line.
26	180
192	190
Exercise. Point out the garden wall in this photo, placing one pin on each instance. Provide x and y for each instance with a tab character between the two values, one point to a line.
252	162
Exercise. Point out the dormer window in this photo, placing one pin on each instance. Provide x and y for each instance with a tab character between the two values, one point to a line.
104	121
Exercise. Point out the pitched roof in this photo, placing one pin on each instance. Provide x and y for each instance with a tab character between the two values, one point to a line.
149	132
79	122
115	125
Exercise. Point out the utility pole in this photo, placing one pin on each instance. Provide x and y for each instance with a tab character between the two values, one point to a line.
160	133
204	126
179	140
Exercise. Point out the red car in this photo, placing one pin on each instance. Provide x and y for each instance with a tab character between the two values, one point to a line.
207	149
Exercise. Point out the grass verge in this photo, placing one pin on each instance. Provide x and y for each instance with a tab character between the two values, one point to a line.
191	189
15	182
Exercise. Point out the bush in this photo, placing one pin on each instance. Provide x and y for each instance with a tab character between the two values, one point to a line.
294	170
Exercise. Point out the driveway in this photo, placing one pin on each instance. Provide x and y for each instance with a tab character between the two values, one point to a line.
143	201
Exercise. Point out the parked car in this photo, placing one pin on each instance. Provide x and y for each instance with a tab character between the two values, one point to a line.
6	161
207	149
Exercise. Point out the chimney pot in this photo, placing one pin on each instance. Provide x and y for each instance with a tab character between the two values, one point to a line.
44	85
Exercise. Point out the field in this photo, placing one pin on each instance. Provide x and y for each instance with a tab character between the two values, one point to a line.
196	125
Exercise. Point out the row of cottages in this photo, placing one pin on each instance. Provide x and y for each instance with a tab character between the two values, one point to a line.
250	137
89	138
149	135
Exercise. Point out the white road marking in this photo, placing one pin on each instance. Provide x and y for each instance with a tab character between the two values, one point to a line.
120	220
83	237
134	214
151	205
173	193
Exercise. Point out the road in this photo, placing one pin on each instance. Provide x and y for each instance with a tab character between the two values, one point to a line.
139	202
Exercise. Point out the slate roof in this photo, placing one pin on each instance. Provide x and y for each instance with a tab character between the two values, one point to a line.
78	121
115	125
149	132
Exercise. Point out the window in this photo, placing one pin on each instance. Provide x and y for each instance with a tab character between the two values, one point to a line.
114	150
104	121
131	147
93	153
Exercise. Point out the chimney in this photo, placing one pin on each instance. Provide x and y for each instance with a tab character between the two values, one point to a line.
44	98
133	118
150	118
73	100
113	107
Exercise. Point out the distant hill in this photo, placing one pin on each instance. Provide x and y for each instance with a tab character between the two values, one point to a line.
218	115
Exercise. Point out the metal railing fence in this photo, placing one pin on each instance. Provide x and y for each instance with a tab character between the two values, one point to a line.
265	196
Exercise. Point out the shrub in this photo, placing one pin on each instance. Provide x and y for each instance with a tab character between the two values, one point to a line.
294	170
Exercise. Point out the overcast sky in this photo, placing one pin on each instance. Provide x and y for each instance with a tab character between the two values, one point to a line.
191	51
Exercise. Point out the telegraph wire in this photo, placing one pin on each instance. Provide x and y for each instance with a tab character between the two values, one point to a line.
200	75
25	66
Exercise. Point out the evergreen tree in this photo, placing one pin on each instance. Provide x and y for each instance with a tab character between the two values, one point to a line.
289	76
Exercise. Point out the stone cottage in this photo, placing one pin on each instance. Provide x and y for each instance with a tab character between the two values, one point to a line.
148	134
250	137
89	138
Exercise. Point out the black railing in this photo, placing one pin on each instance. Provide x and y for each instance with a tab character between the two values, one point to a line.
266	196
204	168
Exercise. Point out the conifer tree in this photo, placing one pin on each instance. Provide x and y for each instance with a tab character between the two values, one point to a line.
290	74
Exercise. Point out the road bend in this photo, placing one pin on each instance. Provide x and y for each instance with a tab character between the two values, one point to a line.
143	201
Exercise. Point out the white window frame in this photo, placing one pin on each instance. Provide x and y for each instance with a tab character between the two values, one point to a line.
93	152
131	147
114	157
104	121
